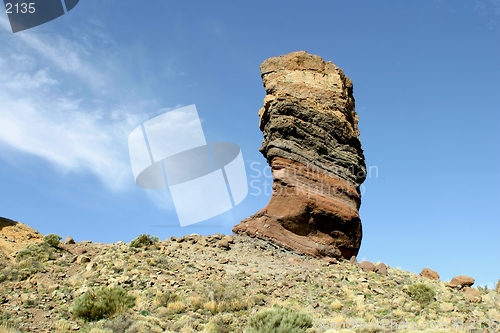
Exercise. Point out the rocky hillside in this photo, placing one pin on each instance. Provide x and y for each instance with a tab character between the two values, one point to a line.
226	284
15	236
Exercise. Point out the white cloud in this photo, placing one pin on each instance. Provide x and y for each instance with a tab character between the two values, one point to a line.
63	103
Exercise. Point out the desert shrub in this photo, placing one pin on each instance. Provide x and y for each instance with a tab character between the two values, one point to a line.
52	239
421	293
143	240
26	268
103	302
40	252
226	297
279	320
166	298
28	262
220	323
5	328
176	307
119	324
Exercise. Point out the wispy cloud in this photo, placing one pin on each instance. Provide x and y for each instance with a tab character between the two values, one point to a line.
59	101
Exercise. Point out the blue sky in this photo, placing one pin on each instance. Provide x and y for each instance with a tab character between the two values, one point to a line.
426	81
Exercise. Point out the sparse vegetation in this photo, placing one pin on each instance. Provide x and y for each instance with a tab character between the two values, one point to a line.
104	302
39	252
421	293
143	240
164	299
5	328
52	239
279	320
193	285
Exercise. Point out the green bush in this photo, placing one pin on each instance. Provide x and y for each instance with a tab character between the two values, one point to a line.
279	320
40	252
421	293
52	239
27	267
103	302
143	240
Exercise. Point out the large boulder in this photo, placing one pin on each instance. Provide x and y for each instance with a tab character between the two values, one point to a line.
311	142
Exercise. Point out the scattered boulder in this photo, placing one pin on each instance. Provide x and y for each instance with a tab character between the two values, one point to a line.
82	259
69	240
497	288
311	142
381	269
430	274
367	266
223	243
353	260
80	250
446	307
330	261
461	281
472	295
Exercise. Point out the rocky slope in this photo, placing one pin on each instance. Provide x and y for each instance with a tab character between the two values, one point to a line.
218	283
15	236
311	143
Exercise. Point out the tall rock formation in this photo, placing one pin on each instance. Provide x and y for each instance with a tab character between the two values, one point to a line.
311	144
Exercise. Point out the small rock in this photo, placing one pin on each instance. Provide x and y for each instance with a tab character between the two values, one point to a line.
330	260
377	290
353	260
123	279
229	239
398	302
224	261
90	266
69	240
82	259
223	243
254	270
430	274
494	314
367	266
381	269
294	260
472	295
80	250
446	307
461	281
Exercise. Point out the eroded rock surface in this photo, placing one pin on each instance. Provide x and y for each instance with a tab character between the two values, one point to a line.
311	143
15	236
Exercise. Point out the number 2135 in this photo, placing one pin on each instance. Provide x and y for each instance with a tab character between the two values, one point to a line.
22	8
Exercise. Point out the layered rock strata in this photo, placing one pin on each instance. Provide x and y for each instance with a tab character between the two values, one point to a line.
311	142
